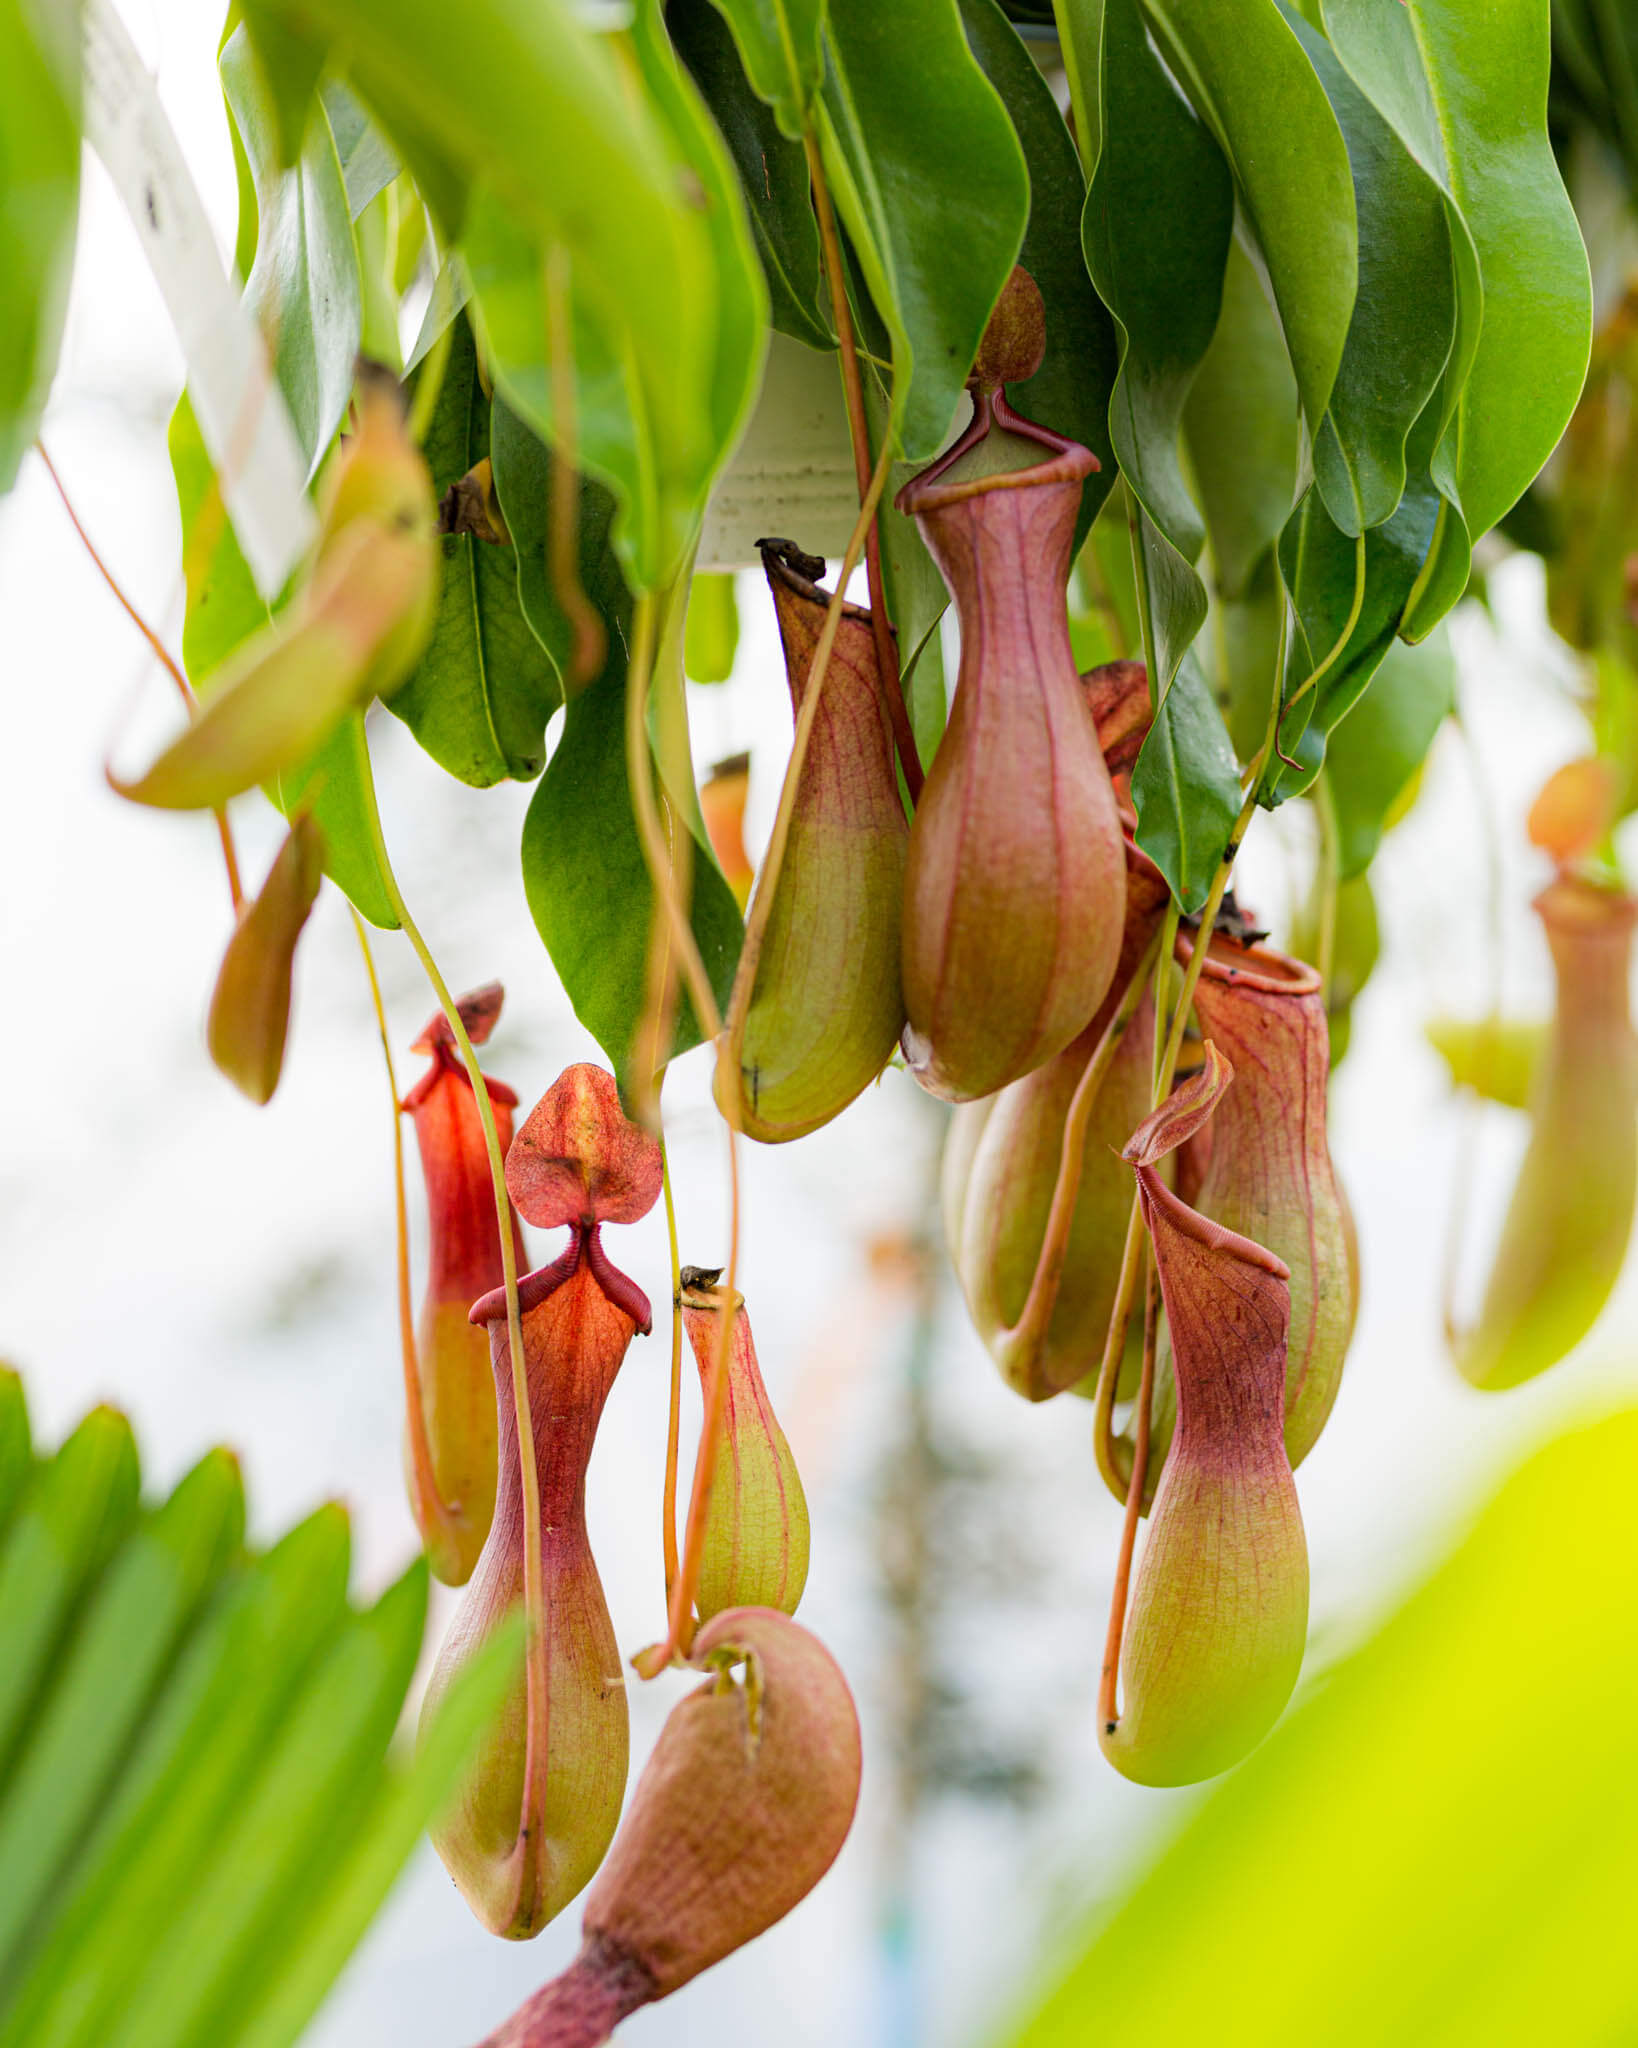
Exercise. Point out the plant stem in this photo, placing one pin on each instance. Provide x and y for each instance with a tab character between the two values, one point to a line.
1104	1439
887	654
1329	868
230	857
1031	1328
534	1584
650	831
1108	1711
674	1422
426	1479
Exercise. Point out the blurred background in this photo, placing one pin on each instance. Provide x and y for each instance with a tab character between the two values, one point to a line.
226	1274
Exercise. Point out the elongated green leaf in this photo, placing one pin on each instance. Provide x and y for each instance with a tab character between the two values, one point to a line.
1376	1871
336	787
223	605
368	165
1349	599
1159	212
1186	787
16	1445
1382	742
479	701
203	1747
583	869
521	95
303	285
74	1518
1251	83
281	1835
922	161
289	64
117	1659
39	202
523	483
1404	317
781	49
1070	392
712	633
1240	427
303	1964
773	172
1470	108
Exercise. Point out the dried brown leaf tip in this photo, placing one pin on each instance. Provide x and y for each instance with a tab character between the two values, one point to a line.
739	1812
544	1799
250	1005
817	1012
1015	885
1214	1639
449	1452
756	1531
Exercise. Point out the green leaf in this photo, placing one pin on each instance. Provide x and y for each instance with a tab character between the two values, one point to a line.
281	1835
202	1749
583	868
780	47
289	64
1240	427
1070	392
522	467
409	1798
1349	599
922	162
1186	787
1159	213
16	1445
39	203
1471	111
711	636
1239	61
368	165
222	604
1383	741
75	1516
519	95
1378	1870
773	172
485	688
105	1683
336	787
303	286
1404	317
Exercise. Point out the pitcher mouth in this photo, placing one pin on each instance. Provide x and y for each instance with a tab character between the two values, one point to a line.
1068	463
1260	967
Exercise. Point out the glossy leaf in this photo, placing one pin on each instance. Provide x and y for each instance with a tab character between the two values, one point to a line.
479	701
39	203
16	1445
711	636
1470	109
223	605
1070	391
921	160
583	868
1238	60
1186	786
521	95
781	49
773	172
1240	424
303	286
1159	213
1377	749
336	788
1394	1838
368	165
1404	316
522	467
1333	580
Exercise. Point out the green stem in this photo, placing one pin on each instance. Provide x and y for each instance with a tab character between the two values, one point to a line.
534	1585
